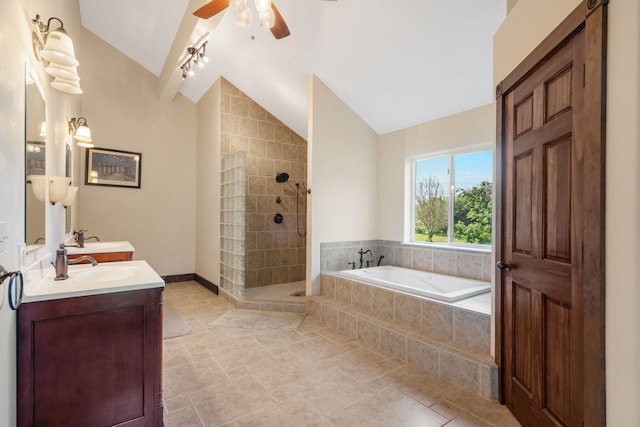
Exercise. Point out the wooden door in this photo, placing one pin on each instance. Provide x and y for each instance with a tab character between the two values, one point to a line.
545	207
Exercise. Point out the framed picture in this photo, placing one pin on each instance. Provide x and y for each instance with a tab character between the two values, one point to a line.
113	168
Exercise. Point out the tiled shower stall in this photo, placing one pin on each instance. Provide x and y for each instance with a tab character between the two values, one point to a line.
270	253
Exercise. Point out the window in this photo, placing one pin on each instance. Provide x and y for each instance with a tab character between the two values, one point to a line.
452	198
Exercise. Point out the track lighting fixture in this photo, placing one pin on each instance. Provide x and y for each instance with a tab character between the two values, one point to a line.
55	46
195	56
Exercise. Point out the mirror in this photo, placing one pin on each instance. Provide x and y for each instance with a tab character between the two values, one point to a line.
67	209
35	154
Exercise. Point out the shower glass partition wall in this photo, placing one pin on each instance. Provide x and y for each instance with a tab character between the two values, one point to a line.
233	223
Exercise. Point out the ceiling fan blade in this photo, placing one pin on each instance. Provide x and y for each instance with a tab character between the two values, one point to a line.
280	29
212	8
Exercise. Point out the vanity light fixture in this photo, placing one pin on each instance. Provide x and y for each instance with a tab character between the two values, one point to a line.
57	186
79	129
195	56
70	197
56	47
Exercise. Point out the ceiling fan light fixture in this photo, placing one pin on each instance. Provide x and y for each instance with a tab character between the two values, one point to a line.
244	17
267	19
238	5
263	5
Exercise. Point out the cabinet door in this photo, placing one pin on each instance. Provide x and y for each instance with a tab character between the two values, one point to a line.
90	360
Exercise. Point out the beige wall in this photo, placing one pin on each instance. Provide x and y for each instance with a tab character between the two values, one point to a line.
623	211
208	186
122	106
343	175
472	127
525	27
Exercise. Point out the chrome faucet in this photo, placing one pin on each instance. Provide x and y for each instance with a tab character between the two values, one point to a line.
62	262
362	253
80	239
79	235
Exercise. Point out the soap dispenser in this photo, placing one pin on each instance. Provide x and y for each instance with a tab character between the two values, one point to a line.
62	263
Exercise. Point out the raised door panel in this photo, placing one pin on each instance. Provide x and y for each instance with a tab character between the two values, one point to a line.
105	374
91	361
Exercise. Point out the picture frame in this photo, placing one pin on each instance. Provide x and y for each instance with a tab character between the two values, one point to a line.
112	168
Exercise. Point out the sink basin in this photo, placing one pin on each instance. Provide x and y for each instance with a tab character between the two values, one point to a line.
84	280
103	274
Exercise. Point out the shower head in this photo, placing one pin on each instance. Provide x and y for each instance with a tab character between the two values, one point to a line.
282	177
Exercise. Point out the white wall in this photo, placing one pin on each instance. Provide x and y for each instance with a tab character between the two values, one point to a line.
343	159
122	104
13	51
471	127
208	186
16	51
528	24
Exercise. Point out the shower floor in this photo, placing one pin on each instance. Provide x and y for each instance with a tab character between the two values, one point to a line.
281	292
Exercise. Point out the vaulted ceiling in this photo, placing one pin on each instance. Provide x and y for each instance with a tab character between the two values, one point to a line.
394	63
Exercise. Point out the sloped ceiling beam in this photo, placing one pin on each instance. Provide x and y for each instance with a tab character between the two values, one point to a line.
187	35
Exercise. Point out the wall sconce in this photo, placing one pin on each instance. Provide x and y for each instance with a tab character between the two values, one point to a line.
195	56
79	129
70	197
56	47
58	187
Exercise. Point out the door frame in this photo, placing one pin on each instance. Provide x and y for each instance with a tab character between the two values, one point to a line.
591	17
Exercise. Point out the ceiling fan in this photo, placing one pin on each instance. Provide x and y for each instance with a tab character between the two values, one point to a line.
278	28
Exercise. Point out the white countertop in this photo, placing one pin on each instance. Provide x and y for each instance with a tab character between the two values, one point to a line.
100	247
104	278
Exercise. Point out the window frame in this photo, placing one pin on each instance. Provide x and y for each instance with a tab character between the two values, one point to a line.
410	199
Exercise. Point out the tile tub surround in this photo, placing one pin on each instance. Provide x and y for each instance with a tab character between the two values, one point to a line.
445	340
463	262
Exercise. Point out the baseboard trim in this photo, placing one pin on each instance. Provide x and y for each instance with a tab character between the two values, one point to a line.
178	278
207	284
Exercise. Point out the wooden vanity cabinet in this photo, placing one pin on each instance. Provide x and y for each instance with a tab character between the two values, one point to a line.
104	256
91	361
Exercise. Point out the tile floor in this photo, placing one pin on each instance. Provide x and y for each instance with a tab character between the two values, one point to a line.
315	376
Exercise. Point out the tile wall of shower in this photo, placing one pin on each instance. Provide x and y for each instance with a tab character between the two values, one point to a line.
274	253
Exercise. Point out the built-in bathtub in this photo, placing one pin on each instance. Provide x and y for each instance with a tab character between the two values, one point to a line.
419	283
451	340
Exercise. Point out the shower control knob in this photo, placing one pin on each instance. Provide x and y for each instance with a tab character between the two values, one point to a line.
503	265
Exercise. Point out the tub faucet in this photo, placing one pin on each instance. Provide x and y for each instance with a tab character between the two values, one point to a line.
62	262
363	252
380	260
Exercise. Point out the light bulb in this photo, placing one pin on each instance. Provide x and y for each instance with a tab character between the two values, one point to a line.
263	5
267	19
244	17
